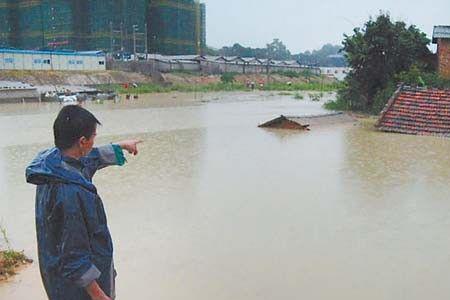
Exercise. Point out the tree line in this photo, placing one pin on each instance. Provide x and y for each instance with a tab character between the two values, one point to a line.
328	56
382	54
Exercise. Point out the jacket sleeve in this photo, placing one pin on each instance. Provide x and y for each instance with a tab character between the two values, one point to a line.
103	156
75	252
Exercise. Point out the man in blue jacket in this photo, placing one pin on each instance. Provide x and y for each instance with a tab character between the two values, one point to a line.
74	244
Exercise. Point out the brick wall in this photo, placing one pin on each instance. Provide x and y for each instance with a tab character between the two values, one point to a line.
444	57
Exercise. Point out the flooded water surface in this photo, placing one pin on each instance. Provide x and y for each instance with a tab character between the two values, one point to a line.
216	208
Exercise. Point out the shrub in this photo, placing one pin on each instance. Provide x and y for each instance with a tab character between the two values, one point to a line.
298	96
227	77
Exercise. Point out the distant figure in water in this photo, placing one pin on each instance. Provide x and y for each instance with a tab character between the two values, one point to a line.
74	244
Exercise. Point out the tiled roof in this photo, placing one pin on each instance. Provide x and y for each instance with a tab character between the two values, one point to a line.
441	32
418	111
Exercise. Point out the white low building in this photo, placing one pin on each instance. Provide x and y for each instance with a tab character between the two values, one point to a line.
12	59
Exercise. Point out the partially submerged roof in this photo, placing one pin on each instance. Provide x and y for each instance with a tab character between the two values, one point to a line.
305	122
441	32
283	122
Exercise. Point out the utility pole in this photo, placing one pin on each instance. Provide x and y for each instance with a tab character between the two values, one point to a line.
146	41
134	40
121	37
111	37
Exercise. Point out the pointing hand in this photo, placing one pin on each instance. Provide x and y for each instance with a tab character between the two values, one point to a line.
130	146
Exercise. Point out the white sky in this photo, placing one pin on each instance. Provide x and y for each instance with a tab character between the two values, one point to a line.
306	25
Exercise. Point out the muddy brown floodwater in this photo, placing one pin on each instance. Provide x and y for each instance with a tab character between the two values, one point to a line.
216	208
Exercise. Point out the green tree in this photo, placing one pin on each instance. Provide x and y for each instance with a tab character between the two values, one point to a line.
376	54
328	56
277	50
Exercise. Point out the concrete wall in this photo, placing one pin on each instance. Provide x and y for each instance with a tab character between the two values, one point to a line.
49	61
444	57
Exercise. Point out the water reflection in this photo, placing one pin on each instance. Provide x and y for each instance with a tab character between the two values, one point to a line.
380	162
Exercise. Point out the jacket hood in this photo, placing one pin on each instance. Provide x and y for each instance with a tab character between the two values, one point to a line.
50	166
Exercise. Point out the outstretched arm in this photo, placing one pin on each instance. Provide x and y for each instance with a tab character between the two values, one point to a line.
109	155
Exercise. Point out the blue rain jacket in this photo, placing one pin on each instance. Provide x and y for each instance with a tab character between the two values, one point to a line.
74	243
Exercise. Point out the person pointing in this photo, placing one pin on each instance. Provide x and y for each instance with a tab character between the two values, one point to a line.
75	247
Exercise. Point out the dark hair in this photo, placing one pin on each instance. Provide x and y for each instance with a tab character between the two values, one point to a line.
72	123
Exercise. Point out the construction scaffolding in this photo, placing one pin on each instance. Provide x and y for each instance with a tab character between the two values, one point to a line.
200	27
100	20
135	20
5	23
134	26
173	26
49	24
117	25
30	28
58	24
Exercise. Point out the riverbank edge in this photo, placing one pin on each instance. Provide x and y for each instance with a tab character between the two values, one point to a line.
150	88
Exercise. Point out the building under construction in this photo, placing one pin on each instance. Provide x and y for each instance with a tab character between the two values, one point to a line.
135	26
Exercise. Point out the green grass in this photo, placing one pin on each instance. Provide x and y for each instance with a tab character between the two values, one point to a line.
10	259
294	74
337	105
147	88
312	86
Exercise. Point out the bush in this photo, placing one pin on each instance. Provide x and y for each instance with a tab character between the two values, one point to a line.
315	97
382	97
298	96
290	74
227	77
414	77
338	104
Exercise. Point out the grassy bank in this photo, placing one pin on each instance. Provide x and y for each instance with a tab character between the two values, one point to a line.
10	260
147	88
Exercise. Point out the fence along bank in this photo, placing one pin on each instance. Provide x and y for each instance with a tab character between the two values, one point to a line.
208	65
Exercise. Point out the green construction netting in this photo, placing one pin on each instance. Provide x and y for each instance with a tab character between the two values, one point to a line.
169	26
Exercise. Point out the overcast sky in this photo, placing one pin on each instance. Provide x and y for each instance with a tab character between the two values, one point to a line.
306	25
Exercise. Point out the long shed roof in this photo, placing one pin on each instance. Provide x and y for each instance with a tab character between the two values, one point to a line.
50	52
441	32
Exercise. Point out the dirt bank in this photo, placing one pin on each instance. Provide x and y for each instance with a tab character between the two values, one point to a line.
73	77
117	77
